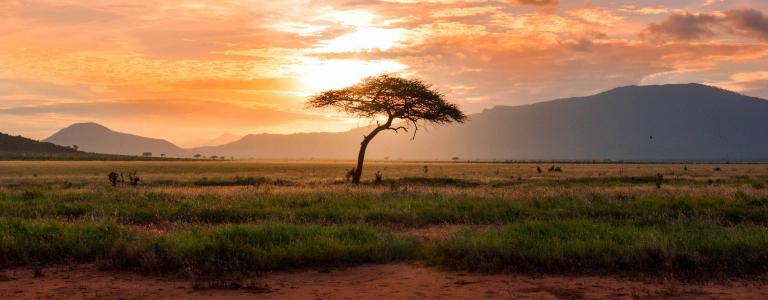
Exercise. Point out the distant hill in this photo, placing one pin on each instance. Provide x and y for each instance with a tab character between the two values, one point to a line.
93	137
21	148
220	140
17	144
683	122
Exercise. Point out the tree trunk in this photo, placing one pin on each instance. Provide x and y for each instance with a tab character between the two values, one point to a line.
363	146
360	159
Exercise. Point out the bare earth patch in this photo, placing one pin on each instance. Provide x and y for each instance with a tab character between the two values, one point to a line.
439	232
396	281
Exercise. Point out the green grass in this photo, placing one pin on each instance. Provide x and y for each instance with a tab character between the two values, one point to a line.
48	242
538	247
221	249
583	246
402	208
243	248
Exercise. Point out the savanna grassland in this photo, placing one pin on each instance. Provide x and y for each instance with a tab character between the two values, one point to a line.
203	218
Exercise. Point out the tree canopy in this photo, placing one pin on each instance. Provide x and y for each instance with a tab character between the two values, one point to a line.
410	100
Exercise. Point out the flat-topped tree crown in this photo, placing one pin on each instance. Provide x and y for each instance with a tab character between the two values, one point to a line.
396	98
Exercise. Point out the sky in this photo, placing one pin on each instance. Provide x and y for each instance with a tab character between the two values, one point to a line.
193	70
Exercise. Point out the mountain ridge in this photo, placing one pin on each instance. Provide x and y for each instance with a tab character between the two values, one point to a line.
676	122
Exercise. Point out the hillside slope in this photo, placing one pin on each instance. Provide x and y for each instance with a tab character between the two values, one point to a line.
21	148
93	137
17	144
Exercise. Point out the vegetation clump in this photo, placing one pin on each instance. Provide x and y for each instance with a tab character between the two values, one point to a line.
659	180
555	169
350	174
133	179
113	177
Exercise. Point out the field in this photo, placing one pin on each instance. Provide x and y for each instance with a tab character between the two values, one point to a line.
219	224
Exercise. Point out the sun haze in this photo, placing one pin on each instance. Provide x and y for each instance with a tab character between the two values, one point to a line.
182	70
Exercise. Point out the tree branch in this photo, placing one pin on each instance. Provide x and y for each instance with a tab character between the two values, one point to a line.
395	129
416	128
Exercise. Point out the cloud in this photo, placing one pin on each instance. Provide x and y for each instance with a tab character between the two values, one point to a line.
464	11
29	90
753	83
235	84
685	26
59	14
538	2
519	67
747	22
750	23
595	15
658	10
193	111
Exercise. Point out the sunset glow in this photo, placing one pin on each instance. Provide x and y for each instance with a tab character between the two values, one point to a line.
318	75
179	69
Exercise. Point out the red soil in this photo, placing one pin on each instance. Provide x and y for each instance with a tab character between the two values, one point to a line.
396	281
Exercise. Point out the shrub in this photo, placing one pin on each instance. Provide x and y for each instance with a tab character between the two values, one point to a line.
112	176
30	195
555	169
659	180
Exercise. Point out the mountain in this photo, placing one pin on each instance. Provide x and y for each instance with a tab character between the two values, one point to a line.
93	137
340	145
220	140
681	122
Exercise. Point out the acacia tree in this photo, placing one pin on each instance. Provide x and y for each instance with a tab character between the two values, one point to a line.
403	102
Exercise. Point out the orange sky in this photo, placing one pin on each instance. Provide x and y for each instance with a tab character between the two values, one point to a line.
191	70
